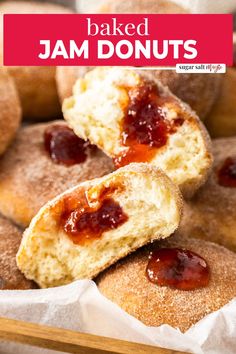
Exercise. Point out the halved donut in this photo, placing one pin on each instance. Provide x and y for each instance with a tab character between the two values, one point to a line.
88	228
133	118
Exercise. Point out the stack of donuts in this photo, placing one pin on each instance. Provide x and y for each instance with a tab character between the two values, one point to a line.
123	176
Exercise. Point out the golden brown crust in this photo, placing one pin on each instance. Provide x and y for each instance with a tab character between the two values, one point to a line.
200	91
10	111
36	85
29	178
10	276
127	285
222	120
211	214
140	6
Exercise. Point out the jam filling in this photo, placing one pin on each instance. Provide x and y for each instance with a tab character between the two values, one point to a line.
63	146
83	223
145	127
177	268
227	173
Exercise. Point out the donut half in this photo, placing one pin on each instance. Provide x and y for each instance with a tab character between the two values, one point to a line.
89	227
133	118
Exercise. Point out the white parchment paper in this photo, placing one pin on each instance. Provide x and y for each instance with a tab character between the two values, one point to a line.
80	306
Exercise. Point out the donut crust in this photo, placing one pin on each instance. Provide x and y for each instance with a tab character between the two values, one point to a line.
126	284
200	91
29	178
211	214
10	276
36	85
10	110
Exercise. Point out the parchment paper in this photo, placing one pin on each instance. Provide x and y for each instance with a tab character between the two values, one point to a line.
80	306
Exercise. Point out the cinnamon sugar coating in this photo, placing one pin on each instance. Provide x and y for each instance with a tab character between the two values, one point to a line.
29	178
10	276
127	285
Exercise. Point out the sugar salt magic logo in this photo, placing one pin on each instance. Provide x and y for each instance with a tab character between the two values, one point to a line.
124	48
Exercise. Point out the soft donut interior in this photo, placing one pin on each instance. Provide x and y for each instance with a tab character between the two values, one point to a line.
151	203
98	107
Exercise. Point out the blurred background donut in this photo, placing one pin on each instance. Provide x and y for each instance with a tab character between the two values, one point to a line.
211	214
222	120
10	110
36	85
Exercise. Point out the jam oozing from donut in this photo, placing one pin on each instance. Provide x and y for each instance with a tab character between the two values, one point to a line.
227	173
63	146
145	127
177	268
83	223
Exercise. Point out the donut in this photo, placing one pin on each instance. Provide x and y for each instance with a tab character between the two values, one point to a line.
221	122
211	214
133	118
10	110
89	227
10	276
36	85
175	282
32	173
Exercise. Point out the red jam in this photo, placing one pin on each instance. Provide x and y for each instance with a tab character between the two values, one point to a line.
178	268
227	173
145	127
63	146
83	223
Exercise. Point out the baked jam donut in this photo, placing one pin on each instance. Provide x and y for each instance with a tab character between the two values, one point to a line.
10	111
36	85
133	118
86	229
221	122
66	77
10	276
45	160
175	282
211	214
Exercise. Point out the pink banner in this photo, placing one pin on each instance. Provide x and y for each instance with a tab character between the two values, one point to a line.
137	40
